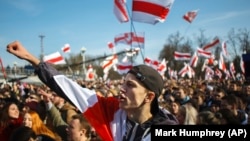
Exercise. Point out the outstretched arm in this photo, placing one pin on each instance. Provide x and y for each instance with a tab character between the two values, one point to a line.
17	49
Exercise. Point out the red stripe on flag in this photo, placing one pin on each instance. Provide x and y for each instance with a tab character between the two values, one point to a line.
3	71
150	8
54	60
121	67
122	9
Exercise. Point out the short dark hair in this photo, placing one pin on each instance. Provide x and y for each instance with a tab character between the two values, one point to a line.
84	123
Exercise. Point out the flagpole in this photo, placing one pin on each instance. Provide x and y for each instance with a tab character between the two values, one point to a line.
132	28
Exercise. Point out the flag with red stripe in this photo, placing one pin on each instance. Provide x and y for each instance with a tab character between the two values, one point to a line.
190	15
121	11
151	11
54	58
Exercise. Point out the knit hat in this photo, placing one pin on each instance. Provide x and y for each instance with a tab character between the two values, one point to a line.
150	79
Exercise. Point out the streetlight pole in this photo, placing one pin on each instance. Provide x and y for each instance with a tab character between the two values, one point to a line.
42	52
15	69
83	50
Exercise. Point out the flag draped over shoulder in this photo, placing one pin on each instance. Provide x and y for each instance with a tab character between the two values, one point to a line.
120	10
54	58
190	16
151	11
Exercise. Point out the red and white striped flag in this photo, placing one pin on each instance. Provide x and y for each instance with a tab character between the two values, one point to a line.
190	15
222	65
194	60
203	53
218	73
209	73
90	74
151	11
242	66
152	63
120	10
224	48
212	44
162	67
187	70
3	71
123	67
66	48
109	62
182	56
131	38
54	58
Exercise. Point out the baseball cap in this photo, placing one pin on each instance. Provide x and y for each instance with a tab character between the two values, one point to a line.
150	79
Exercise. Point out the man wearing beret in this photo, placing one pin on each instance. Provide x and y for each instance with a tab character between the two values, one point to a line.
128	117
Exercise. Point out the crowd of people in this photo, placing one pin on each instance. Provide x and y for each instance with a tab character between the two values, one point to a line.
76	110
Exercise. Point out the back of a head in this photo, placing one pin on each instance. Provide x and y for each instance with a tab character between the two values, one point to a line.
22	133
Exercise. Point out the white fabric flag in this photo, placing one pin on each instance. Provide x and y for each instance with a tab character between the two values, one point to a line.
54	58
120	10
151	11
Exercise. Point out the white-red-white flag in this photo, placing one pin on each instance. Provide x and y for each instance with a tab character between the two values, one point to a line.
186	70
152	63
190	15
66	48
201	52
212	44
224	48
218	73
151	11
131	38
222	65
182	56
123	67
54	58
109	62
162	67
242	66
90	74
194	60
120	11
209	73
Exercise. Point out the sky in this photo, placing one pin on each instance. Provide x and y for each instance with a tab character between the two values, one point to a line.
92	23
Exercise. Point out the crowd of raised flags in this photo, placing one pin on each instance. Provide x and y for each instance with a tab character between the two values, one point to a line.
152	12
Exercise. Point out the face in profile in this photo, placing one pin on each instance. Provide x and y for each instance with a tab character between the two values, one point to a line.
27	120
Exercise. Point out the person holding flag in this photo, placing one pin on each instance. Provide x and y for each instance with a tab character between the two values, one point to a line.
128	117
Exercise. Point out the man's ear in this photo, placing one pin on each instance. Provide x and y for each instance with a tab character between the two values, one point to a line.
150	96
83	132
